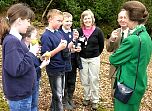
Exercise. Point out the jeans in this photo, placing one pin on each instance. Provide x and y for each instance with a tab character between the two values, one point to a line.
57	84
35	97
21	105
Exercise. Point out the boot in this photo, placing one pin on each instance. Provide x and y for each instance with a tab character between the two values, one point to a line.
70	96
94	106
72	103
67	106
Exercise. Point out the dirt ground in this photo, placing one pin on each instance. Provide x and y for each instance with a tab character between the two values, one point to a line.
105	99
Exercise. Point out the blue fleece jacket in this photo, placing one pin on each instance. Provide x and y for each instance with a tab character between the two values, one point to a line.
19	72
49	41
37	63
68	37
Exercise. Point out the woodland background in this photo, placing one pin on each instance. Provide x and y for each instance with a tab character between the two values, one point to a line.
106	18
105	11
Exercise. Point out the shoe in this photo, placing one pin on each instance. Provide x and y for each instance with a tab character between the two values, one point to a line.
94	106
72	104
67	106
86	102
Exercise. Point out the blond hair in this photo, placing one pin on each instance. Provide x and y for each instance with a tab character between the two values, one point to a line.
67	14
85	13
53	12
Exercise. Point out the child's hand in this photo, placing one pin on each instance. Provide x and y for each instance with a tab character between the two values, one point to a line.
75	34
44	63
35	49
46	56
77	49
62	44
70	45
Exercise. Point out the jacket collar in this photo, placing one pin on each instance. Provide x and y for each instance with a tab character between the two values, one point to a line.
138	29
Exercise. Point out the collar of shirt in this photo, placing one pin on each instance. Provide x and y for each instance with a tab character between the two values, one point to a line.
66	31
51	29
126	32
15	33
137	27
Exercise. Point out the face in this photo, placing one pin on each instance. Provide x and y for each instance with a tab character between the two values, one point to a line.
67	23
130	24
33	38
56	21
122	18
23	25
34	34
87	21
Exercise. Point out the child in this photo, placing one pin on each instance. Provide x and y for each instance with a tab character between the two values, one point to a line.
28	37
52	41
70	74
19	74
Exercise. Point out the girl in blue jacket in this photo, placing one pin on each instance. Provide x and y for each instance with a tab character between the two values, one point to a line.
18	71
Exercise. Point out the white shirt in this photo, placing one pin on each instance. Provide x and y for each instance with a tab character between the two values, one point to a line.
66	31
50	29
14	32
126	32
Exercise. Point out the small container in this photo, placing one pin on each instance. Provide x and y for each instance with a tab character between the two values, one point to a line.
74	30
73	46
79	45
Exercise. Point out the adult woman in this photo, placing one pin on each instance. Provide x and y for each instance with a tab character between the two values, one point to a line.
92	44
19	72
126	57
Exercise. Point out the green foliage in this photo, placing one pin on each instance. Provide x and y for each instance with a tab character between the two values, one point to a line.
5	3
105	11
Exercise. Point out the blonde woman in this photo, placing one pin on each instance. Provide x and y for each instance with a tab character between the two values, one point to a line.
92	44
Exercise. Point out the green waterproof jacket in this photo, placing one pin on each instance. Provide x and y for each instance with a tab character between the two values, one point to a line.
126	58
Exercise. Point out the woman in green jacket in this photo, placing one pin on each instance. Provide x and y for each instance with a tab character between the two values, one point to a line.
126	57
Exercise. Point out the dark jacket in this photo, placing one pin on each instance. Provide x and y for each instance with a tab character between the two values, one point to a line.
72	56
95	44
66	52
50	41
19	72
37	63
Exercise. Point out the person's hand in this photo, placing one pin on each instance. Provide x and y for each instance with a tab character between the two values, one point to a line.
35	49
44	63
77	49
75	34
114	35
46	56
70	45
62	44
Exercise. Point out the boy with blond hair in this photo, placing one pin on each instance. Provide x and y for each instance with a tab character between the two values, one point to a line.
52	41
70	62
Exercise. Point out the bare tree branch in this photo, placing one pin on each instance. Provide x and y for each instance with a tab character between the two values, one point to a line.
46	10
